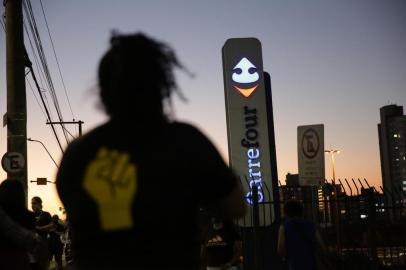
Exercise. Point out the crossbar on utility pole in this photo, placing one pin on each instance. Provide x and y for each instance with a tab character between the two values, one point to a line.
16	94
69	122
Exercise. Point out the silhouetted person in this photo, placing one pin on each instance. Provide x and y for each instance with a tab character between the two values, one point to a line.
298	238
13	203
132	187
16	234
67	244
55	242
223	246
43	224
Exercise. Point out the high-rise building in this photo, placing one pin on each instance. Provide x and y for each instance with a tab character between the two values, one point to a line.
392	146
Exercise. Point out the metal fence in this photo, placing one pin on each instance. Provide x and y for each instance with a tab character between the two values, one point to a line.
358	223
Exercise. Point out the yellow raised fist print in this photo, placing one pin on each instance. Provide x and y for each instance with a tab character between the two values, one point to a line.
111	180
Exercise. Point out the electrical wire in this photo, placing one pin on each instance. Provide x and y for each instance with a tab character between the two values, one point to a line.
56	58
32	90
45	64
37	40
40	72
44	91
2	24
40	94
70	134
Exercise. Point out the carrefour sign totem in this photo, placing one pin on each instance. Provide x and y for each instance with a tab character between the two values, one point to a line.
247	122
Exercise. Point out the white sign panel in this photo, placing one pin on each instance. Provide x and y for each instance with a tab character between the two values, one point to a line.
310	142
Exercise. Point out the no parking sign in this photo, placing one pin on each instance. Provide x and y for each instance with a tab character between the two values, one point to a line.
13	162
310	143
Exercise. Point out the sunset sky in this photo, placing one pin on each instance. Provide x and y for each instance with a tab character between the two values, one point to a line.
331	62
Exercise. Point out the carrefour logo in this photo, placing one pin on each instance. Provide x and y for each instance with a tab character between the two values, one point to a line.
245	77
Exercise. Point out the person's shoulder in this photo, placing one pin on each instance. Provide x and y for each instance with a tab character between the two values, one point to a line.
183	127
187	130
46	214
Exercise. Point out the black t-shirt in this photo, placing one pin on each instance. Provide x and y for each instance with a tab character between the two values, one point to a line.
42	218
220	245
132	197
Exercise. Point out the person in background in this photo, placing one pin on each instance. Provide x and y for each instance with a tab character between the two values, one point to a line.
13	203
16	234
43	224
298	238
55	242
138	180
223	246
67	244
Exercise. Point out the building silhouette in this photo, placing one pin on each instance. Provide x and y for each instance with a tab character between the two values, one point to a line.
392	146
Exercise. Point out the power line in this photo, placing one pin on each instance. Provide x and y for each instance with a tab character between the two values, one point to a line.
70	133
40	72
32	90
38	43
37	40
29	64
44	91
4	28
2	24
56	58
41	55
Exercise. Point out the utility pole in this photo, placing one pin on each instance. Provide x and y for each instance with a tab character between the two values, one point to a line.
16	118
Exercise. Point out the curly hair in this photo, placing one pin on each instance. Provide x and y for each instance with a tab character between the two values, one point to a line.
136	76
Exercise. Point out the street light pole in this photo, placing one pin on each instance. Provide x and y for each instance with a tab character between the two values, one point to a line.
333	152
49	154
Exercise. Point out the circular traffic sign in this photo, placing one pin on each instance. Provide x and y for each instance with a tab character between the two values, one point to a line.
13	162
310	143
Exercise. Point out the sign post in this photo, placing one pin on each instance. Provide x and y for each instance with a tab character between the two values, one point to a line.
247	123
251	148
310	144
